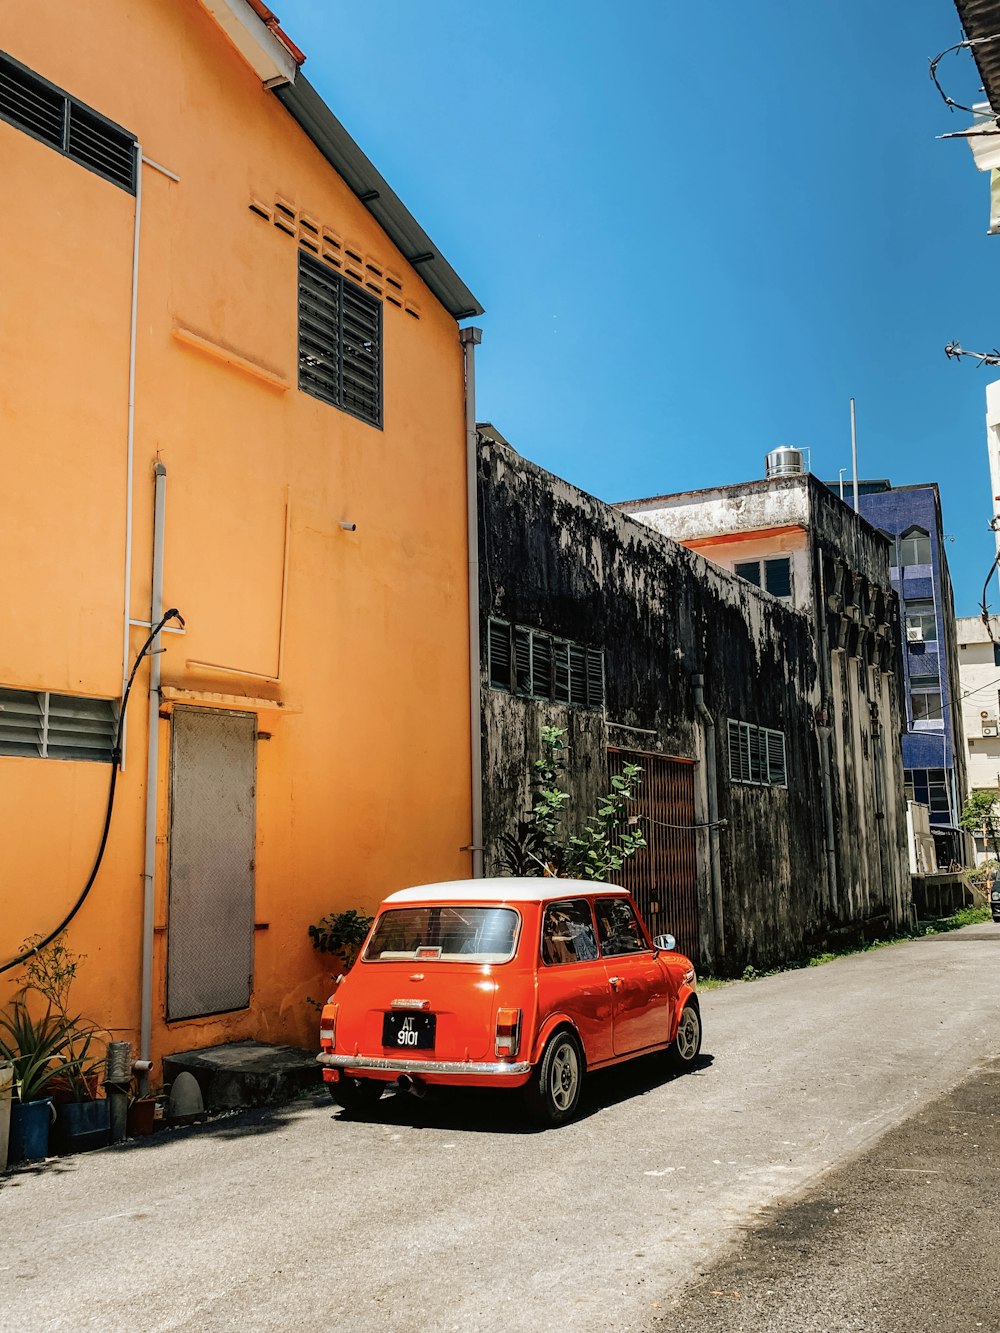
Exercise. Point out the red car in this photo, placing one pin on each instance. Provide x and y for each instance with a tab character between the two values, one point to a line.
513	983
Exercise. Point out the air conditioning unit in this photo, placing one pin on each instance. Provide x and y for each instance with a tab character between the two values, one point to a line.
989	725
914	634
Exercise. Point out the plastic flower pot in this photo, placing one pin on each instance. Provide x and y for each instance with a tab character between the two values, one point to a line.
6	1094
29	1130
81	1126
142	1117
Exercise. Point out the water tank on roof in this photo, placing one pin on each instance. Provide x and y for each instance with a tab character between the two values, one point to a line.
785	462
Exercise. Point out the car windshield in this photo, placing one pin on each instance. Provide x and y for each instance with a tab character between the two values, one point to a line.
454	934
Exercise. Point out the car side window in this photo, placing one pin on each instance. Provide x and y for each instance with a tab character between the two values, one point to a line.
568	933
619	927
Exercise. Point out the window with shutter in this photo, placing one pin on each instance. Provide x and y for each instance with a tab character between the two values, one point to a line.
774	575
749	570
340	341
522	660
560	672
778	577
52	116
577	675
756	755
537	666
500	655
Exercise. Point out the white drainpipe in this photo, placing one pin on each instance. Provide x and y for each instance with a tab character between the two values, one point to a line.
470	339
712	793
152	772
140	162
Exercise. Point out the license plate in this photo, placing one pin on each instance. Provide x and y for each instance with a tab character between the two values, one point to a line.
409	1032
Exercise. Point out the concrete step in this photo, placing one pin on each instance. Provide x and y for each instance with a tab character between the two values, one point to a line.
246	1073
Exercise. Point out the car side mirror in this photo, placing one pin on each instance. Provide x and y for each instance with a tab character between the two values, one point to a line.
666	943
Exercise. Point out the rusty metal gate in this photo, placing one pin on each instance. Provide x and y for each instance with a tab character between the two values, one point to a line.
663	877
213	763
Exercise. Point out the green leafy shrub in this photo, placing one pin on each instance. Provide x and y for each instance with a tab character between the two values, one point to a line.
604	844
341	934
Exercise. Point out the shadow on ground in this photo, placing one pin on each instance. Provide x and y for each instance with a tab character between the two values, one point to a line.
491	1111
471	1110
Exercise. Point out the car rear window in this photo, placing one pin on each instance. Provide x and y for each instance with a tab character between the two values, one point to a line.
453	934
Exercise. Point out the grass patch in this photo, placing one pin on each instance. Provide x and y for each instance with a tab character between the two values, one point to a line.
967	916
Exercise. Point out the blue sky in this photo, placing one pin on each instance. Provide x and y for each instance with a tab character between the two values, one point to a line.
697	233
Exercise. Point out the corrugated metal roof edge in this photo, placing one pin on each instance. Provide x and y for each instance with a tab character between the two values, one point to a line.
308	109
981	19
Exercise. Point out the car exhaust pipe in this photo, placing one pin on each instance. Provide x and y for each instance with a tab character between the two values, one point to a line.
416	1086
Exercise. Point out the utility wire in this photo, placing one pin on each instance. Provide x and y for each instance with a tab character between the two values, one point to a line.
116	754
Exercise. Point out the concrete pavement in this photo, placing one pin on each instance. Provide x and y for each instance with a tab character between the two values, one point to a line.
453	1215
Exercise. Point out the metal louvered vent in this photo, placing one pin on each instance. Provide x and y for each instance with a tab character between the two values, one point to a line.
51	115
340	341
500	655
30	104
533	664
756	755
57	726
101	146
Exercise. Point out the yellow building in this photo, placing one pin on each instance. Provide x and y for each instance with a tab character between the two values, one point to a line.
230	365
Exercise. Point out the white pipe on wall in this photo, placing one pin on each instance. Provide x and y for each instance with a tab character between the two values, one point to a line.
152	774
130	436
470	338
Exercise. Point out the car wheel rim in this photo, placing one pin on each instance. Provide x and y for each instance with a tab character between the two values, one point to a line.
687	1035
565	1077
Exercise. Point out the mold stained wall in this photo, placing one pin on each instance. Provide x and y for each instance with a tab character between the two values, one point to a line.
872	877
866	717
558	560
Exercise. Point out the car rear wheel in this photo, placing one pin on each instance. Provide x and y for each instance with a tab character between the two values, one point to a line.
356	1094
553	1092
683	1050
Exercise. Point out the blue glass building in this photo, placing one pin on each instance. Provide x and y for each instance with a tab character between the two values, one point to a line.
934	752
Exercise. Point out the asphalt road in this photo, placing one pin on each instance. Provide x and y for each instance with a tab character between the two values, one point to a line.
904	1237
453	1215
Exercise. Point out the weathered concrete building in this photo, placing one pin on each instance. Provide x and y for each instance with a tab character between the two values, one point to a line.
767	726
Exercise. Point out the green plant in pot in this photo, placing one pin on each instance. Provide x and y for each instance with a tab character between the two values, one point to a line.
39	1049
57	1058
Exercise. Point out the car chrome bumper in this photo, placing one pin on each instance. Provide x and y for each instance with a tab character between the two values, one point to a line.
471	1068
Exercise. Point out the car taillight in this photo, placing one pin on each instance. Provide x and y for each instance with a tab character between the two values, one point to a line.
328	1027
508	1032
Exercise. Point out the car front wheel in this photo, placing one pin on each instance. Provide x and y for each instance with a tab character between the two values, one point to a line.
553	1092
683	1050
355	1094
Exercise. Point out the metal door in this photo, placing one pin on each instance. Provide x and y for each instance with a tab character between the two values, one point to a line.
663	877
213	763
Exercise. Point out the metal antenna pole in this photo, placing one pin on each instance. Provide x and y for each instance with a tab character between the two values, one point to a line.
854	452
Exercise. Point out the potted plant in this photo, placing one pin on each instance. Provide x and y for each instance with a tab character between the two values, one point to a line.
82	1119
38	1049
57	1060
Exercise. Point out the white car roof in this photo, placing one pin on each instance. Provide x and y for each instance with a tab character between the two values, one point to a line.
508	890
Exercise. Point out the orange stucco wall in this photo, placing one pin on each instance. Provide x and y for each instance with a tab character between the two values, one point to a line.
364	783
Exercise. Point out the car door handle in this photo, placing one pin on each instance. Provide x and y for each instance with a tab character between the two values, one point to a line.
615	982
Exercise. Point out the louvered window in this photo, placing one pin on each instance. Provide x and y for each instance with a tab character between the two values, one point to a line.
340	341
756	755
51	115
57	726
527	662
774	575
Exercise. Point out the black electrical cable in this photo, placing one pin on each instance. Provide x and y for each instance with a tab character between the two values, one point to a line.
116	754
